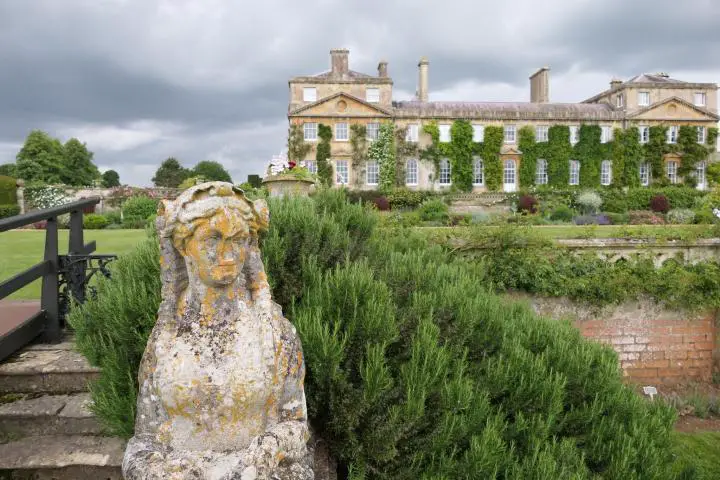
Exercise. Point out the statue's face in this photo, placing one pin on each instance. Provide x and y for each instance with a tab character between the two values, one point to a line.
216	251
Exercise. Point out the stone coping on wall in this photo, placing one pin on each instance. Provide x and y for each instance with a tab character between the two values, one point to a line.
636	242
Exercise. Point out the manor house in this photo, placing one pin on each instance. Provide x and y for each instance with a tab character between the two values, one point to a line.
341	97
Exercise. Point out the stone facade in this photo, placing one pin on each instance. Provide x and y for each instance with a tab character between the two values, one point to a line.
654	345
343	96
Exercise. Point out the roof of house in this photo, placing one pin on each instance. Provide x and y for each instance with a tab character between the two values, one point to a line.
654	78
651	80
506	110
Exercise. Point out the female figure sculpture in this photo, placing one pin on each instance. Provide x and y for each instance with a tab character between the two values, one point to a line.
221	381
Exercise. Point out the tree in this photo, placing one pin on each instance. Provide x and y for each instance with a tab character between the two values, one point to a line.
110	179
170	174
41	158
78	167
211	172
9	170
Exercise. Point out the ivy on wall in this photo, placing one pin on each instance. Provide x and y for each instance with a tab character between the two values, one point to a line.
461	155
589	152
358	147
712	138
403	151
692	153
489	150
434	152
558	154
616	153
382	151
655	150
296	145
322	155
528	162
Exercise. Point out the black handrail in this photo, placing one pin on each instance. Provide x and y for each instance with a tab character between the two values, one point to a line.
39	215
48	321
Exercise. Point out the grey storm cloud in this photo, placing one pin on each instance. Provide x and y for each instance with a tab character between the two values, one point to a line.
140	80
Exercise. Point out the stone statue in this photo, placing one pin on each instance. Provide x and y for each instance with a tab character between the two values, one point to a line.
221	381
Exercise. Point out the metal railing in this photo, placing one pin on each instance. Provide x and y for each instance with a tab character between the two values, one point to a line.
48	322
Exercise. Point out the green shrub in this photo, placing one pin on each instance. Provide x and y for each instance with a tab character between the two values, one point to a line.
705	216
94	221
434	210
563	213
113	217
414	370
589	202
681	216
8	190
140	206
618	218
133	222
405	198
9	210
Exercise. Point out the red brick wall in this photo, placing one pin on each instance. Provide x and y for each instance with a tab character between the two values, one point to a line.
659	350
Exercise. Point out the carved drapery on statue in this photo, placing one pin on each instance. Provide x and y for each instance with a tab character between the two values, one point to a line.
221	381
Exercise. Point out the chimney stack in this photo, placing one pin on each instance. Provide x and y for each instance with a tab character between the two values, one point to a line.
339	62
540	86
422	92
615	83
382	69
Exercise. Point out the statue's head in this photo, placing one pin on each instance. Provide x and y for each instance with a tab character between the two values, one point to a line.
213	226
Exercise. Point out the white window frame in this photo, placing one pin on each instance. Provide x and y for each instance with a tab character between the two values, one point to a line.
672	134
701	175
644	131
342	172
444	129
412	133
643	98
541	174
574	178
606	133
605	172
644	174
671	171
340	128
375	129
309	94
311	166
509	133
700	99
701	135
411	172
478	172
445	172
541	133
373	97
509	172
478	133
620	100
310	131
574	134
372	173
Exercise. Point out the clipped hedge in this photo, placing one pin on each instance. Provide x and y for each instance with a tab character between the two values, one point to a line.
414	370
8	190
9	210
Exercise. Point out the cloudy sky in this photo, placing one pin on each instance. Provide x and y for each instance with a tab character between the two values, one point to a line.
141	80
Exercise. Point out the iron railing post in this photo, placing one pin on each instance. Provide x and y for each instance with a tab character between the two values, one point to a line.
49	298
76	246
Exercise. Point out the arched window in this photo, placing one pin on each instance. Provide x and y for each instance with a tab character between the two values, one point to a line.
606	172
478	172
574	172
444	177
541	176
411	172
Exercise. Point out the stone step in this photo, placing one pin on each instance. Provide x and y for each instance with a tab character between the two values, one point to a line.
31	415
46	368
62	457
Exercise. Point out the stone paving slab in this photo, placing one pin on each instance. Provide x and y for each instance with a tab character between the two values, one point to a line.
48	415
60	451
44	370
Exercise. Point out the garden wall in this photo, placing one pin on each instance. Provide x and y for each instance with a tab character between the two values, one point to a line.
654	345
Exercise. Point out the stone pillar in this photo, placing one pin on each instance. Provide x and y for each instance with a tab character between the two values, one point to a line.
339	62
21	195
540	86
382	69
423	67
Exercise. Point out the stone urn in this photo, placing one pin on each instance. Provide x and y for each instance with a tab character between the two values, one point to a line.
284	184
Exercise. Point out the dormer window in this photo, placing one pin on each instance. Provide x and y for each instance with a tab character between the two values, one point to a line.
372	95
309	94
700	99
643	99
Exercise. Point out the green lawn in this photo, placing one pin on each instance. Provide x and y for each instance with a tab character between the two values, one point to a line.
700	449
20	249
